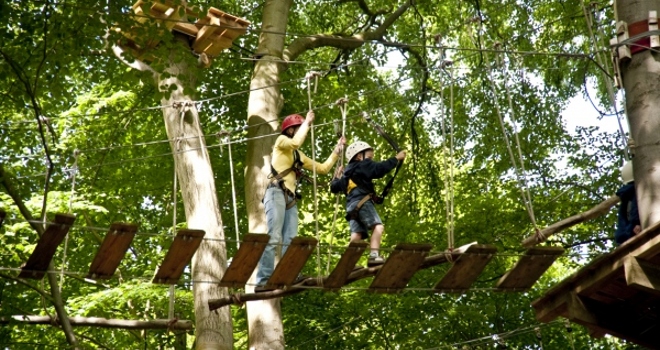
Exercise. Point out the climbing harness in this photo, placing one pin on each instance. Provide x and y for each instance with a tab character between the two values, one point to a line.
277	180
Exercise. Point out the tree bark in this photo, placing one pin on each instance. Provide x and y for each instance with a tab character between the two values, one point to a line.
641	81
195	177
265	103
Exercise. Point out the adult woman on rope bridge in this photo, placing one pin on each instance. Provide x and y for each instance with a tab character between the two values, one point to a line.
280	199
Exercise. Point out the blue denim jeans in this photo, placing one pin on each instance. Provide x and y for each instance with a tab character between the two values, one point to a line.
282	228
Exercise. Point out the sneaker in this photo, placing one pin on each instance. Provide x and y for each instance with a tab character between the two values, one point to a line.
261	289
375	261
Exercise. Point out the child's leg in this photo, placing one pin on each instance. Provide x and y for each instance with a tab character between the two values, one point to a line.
356	237
376	237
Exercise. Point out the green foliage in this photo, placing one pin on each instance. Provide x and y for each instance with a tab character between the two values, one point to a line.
111	161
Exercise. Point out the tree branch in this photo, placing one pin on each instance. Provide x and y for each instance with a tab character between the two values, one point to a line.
300	45
103	322
596	211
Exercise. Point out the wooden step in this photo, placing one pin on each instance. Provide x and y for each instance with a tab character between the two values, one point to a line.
466	269
292	262
37	264
345	266
246	259
178	256
399	268
529	268
112	250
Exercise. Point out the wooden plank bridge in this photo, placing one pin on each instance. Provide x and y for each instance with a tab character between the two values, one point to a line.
392	277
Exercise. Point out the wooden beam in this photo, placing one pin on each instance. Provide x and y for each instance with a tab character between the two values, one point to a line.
101	322
466	269
399	267
112	250
345	266
591	277
619	320
529	268
642	274
598	210
246	259
292	262
178	256
37	264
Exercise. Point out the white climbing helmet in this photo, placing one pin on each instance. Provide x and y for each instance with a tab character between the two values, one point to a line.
627	172
355	148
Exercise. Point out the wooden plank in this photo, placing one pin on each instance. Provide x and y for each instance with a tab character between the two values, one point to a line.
642	275
529	268
345	266
466	269
292	262
204	37
245	260
186	28
55	232
399	268
112	250
178	256
239	21
218	44
2	217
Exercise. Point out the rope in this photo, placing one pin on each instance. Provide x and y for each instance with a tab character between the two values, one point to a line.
309	77
233	185
522	184
606	64
343	108
448	175
74	171
171	291
569	330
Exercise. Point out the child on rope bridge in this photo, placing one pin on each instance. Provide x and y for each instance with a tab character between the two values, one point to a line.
357	183
280	198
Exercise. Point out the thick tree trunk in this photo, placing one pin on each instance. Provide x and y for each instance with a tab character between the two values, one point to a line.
641	81
265	103
195	176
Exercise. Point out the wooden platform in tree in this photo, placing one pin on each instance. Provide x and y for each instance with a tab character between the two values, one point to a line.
345	266
466	269
217	31
37	263
399	267
112	250
529	268
246	259
178	256
2	217
617	293
292	262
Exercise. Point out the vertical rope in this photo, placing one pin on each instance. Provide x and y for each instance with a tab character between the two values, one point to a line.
343	108
171	293
605	64
233	186
451	157
448	159
526	200
74	171
316	221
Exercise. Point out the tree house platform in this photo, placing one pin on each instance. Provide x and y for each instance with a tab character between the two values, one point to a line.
209	34
618	293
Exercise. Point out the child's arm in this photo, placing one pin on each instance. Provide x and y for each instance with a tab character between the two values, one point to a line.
376	170
299	138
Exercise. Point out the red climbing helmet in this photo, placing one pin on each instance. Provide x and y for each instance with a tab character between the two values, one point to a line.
292	120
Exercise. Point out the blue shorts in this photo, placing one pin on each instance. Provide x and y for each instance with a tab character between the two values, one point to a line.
367	219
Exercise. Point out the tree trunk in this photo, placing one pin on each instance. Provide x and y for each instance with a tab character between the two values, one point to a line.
641	81
264	317
195	177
